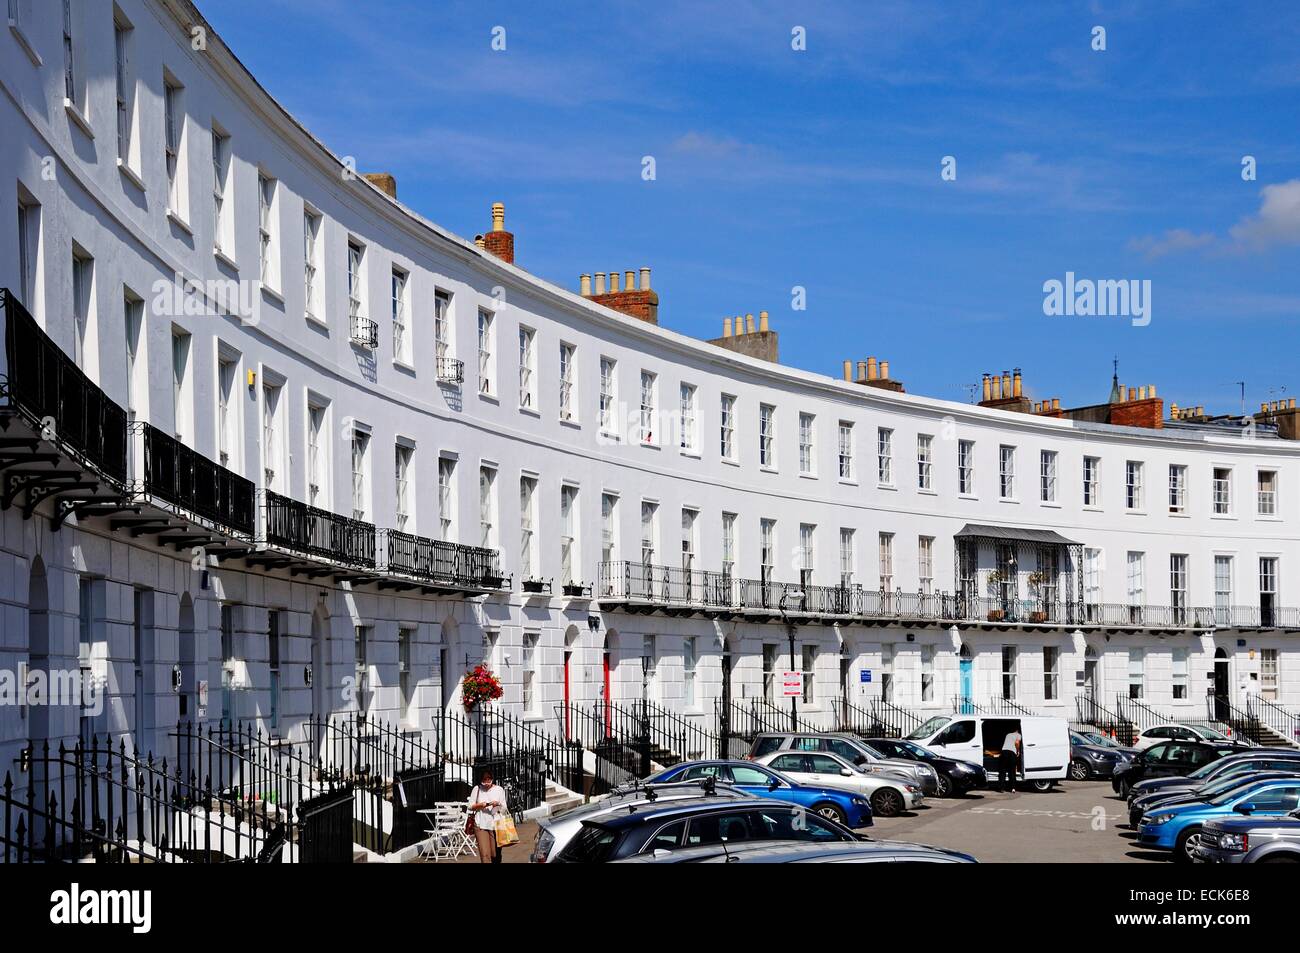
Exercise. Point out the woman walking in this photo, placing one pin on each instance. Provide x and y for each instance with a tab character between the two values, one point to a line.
487	803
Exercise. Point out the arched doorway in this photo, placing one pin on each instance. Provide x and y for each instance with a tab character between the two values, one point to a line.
965	678
1222	685
571	635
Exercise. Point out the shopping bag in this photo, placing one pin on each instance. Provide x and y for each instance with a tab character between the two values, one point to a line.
506	832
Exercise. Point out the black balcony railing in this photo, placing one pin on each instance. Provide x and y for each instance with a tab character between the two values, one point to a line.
364	331
180	476
305	529
440	562
52	392
450	371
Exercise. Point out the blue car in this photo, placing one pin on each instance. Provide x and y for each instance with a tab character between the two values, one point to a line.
1176	827
843	807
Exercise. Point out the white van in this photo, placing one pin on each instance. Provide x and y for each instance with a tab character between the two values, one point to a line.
978	739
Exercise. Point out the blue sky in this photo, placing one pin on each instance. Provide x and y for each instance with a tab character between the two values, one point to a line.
820	168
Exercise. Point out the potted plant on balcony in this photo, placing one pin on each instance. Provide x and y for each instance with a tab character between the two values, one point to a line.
994	585
535	585
1036	580
479	687
575	590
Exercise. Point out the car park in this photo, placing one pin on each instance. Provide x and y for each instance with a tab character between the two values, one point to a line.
696	822
1178	732
1250	840
1045	756
843	807
1168	759
1176	828
1253	760
1089	760
1158	802
889	796
805	852
956	777
851	748
553	833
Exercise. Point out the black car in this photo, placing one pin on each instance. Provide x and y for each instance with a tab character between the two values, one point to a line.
1169	759
1089	760
956	777
1253	759
694	822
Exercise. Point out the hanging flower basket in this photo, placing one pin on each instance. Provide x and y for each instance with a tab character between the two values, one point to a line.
479	686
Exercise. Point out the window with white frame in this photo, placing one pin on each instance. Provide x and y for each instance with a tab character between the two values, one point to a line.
181	383
83	290
527	368
690	672
311	223
1178	586
686	402
766	549
397	306
568	381
1136	579
885	455
137	390
221	206
1222	491
1177	488
1178	666
807	556
728	544
1047	476
406	676
1010	658
272	444
846	450
608	527
447	499
1007	472
360	474
73	84
486	332
924	461
690	544
649	531
356	289
226	371
174	150
569	562
925	563
1132	485
1223	589
927	673
649	384
966	467
1092	576
527	524
361	666
887	672
767	436
1267	588
886	561
267	233
1268	674
809	658
608	393
1092	481
727	421
528	662
848	557
807	452
1136	673
123	34
442	330
771	653
1051	673
315	454
1266	495
274	629
29	238
487	507
402	454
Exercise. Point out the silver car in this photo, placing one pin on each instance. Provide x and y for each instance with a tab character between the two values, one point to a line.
852	749
804	852
554	833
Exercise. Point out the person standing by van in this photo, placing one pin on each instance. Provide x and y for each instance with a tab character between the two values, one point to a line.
1009	760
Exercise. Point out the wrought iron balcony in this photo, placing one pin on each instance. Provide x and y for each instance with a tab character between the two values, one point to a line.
450	371
299	528
365	332
440	563
45	386
176	474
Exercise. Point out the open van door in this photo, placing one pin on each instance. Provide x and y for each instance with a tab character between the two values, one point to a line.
959	739
1046	751
994	733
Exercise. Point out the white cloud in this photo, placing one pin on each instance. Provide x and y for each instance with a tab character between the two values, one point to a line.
1276	223
1173	240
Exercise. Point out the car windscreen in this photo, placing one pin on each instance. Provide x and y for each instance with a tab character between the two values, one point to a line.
931	727
736	827
1210	734
593	844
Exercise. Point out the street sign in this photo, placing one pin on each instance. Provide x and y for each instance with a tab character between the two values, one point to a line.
792	684
864	675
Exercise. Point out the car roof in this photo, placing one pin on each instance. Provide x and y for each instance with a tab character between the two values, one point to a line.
632	797
791	851
689	807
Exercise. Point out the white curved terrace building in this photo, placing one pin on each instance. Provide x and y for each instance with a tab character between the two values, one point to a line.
709	510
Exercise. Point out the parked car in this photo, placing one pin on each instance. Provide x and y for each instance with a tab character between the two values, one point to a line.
1250	840
1168	759
1097	738
1176	828
978	738
888	795
1089	760
696	822
956	777
843	807
805	852
1158	802
1178	732
554	833
1254	759
851	748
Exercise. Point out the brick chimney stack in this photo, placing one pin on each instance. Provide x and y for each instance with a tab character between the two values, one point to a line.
637	300
383	181
498	241
744	336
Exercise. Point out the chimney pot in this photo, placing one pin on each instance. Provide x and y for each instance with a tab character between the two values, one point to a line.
1132	393
1151	391
988	388
862	371
997	387
871	368
600	282
629	280
749	322
1056	403
762	322
645	279
613	282
1291	404
498	217
726	327
1016	383
478	240
848	370
884	370
584	282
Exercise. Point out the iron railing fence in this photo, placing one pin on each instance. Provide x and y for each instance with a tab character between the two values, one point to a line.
1237	723
857	720
174	473
1277	719
306	529
894	720
1139	715
615	762
966	705
681	736
1001	705
1090	711
1256	617
450	371
364	331
58	399
439	562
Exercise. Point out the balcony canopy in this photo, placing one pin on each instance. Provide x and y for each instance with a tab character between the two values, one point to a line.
1013	534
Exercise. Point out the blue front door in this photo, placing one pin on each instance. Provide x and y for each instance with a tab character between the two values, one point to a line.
966	706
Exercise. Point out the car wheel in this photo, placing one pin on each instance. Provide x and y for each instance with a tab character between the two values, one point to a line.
1286	859
887	803
1124	788
1078	770
1042	786
1184	844
946	787
832	813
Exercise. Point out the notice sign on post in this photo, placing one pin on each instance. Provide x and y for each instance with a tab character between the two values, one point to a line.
792	684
